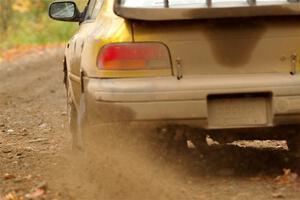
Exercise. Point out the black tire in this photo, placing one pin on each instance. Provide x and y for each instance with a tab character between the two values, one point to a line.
293	143
198	138
170	141
173	140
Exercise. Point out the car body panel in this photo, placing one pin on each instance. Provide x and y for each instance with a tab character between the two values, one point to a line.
166	98
82	50
244	64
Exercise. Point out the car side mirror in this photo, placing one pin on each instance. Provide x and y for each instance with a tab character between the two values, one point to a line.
65	11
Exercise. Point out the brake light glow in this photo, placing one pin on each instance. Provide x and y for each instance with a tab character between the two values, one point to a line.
134	56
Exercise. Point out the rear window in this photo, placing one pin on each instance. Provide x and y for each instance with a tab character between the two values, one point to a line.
198	3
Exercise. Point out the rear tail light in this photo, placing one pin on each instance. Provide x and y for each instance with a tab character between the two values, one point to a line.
134	57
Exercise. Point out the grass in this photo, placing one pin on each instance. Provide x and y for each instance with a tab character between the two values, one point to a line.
27	32
35	28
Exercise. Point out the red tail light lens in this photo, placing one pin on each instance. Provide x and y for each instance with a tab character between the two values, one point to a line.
134	56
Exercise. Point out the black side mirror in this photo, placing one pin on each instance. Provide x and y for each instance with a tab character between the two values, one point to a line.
65	11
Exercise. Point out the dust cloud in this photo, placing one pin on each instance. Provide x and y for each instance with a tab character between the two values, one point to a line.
122	162
130	162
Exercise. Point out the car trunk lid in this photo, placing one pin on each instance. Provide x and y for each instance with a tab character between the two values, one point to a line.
227	46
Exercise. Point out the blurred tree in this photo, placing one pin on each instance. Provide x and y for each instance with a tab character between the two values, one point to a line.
21	6
5	14
26	22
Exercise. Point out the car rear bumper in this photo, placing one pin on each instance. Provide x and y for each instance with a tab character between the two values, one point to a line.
185	101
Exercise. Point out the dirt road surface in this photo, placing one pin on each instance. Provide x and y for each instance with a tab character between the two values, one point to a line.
36	161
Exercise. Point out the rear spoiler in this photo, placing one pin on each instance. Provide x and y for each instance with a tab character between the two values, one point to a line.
252	9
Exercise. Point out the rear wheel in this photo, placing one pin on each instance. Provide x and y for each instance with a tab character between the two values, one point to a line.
174	139
293	143
198	138
170	140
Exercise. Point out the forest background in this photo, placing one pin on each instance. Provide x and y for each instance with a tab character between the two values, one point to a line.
25	24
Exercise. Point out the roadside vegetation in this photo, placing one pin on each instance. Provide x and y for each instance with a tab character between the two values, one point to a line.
26	23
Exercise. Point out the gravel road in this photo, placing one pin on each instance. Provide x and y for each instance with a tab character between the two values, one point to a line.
36	161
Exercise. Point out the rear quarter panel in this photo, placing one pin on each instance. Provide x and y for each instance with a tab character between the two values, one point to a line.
88	41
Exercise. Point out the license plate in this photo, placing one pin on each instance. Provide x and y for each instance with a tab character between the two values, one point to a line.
238	112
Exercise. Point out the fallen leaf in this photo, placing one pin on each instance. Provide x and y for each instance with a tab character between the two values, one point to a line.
28	177
43	186
38	140
12	196
277	195
8	176
10	131
288	177
20	51
35	194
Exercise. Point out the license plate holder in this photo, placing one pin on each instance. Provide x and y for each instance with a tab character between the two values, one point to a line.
238	112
